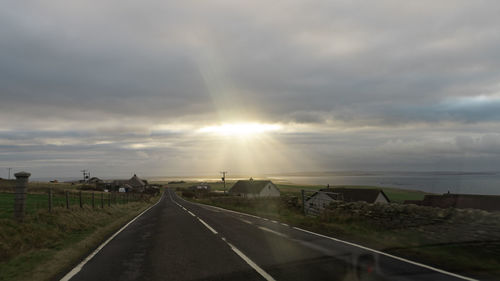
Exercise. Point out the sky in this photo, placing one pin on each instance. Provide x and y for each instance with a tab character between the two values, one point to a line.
177	88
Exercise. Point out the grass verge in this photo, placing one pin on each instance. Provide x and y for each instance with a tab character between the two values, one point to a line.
48	244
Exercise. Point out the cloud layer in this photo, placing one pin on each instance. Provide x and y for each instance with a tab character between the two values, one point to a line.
124	85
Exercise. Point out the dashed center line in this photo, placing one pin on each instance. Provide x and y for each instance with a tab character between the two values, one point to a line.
207	226
250	262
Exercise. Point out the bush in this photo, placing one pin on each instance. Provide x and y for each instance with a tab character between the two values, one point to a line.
188	194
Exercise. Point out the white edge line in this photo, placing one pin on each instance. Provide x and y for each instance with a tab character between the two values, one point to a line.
191	214
79	267
207	226
389	255
245	221
349	243
250	262
272	231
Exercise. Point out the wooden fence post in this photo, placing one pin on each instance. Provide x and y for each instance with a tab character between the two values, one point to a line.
67	199
93	202
102	200
50	199
20	195
109	199
80	199
303	202
126	198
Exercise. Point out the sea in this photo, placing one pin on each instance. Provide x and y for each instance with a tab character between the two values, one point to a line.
433	182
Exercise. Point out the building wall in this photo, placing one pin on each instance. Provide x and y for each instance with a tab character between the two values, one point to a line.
269	190
380	199
317	203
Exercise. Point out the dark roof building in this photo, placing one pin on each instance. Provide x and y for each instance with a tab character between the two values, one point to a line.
321	199
461	201
135	181
134	184
359	194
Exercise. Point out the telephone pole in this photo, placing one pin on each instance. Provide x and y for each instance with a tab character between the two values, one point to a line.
224	180
9	171
86	175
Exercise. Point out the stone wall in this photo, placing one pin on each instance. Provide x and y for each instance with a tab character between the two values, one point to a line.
438	224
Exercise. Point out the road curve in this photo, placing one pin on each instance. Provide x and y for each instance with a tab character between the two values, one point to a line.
180	240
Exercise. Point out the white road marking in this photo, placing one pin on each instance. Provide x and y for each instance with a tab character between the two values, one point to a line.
389	255
191	214
284	224
249	222
79	267
274	221
218	208
207	226
272	231
250	262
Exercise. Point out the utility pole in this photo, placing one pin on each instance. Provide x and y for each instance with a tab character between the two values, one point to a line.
86	175
224	180
9	171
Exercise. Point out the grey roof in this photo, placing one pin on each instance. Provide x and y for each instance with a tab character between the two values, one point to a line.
249	186
357	194
135	181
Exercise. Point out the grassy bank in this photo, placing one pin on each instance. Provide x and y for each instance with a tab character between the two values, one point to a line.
433	244
47	244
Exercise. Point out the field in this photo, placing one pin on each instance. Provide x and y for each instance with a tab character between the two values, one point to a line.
40	201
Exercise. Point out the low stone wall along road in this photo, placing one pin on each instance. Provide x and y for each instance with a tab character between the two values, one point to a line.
180	240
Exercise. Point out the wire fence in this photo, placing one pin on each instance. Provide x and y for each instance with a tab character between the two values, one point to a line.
52	199
315	201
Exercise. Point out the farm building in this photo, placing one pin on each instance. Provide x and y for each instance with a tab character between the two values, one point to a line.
254	188
135	184
200	187
460	201
319	200
95	180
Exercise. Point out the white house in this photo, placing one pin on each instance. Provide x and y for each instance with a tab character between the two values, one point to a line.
254	188
319	200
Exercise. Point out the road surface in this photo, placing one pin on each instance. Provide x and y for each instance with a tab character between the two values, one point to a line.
179	240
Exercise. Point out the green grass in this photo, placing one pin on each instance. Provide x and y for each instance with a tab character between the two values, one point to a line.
40	201
49	243
9	185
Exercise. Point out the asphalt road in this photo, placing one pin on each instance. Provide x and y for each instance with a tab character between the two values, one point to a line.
179	240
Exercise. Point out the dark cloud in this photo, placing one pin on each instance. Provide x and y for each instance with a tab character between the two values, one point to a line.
84	74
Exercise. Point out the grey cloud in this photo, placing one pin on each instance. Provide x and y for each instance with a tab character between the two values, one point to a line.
87	73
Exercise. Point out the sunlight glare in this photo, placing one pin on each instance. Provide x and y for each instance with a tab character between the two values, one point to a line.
240	129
